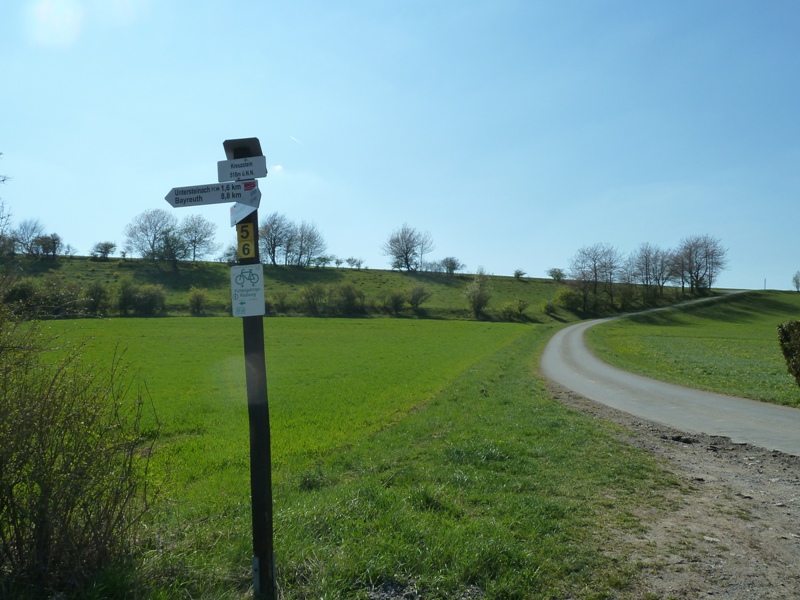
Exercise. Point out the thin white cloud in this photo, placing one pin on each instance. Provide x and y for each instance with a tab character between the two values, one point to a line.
60	23
294	139
55	23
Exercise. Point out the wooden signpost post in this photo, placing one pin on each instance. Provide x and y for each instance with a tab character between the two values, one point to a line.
237	183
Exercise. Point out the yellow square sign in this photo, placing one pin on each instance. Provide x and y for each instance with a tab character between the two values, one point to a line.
245	236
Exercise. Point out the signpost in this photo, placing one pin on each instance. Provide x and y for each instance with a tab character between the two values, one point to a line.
239	169
245	163
243	192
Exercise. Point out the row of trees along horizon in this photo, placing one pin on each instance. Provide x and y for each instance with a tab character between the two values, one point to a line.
599	277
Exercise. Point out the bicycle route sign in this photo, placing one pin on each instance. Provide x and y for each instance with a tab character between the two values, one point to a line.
247	290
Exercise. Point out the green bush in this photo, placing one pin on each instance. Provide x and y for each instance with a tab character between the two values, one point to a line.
280	300
73	465
416	296
392	301
789	338
150	300
126	296
198	301
96	298
24	293
569	299
59	298
313	298
346	299
147	300
478	293
514	310
549	307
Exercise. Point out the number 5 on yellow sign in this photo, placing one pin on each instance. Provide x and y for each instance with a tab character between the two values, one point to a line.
244	233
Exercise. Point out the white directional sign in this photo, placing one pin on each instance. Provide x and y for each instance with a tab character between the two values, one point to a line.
245	192
240	211
239	169
247	290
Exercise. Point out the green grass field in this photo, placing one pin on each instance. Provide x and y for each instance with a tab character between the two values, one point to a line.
728	346
405	451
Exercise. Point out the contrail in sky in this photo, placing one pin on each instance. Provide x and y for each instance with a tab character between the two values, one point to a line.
294	139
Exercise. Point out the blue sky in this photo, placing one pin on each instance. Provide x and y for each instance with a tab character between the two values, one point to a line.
514	132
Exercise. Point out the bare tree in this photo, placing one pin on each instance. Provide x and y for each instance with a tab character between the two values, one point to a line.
594	270
452	265
172	247
355	263
3	178
273	236
478	293
715	256
306	244
47	245
406	247
652	268
198	234
102	250
661	269
699	260
146	233
6	241
230	254
639	266
26	234
796	281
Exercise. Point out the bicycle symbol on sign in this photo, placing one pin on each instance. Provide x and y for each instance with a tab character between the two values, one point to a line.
246	275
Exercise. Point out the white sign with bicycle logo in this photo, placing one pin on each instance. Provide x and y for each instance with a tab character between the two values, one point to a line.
247	290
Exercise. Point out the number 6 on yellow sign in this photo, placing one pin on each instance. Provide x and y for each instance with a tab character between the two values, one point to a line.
244	233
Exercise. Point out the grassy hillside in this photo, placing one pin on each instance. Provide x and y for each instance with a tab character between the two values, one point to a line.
67	282
728	346
446	300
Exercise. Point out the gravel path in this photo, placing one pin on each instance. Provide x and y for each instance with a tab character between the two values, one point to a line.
736	535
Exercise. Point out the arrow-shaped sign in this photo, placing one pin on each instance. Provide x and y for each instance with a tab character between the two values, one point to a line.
239	211
244	192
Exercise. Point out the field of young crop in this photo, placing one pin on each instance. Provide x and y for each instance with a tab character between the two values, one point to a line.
331	381
728	345
408	454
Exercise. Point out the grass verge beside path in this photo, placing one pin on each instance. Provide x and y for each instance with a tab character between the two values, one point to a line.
729	346
492	484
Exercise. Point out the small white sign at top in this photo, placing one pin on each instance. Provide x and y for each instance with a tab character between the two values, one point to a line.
240	169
